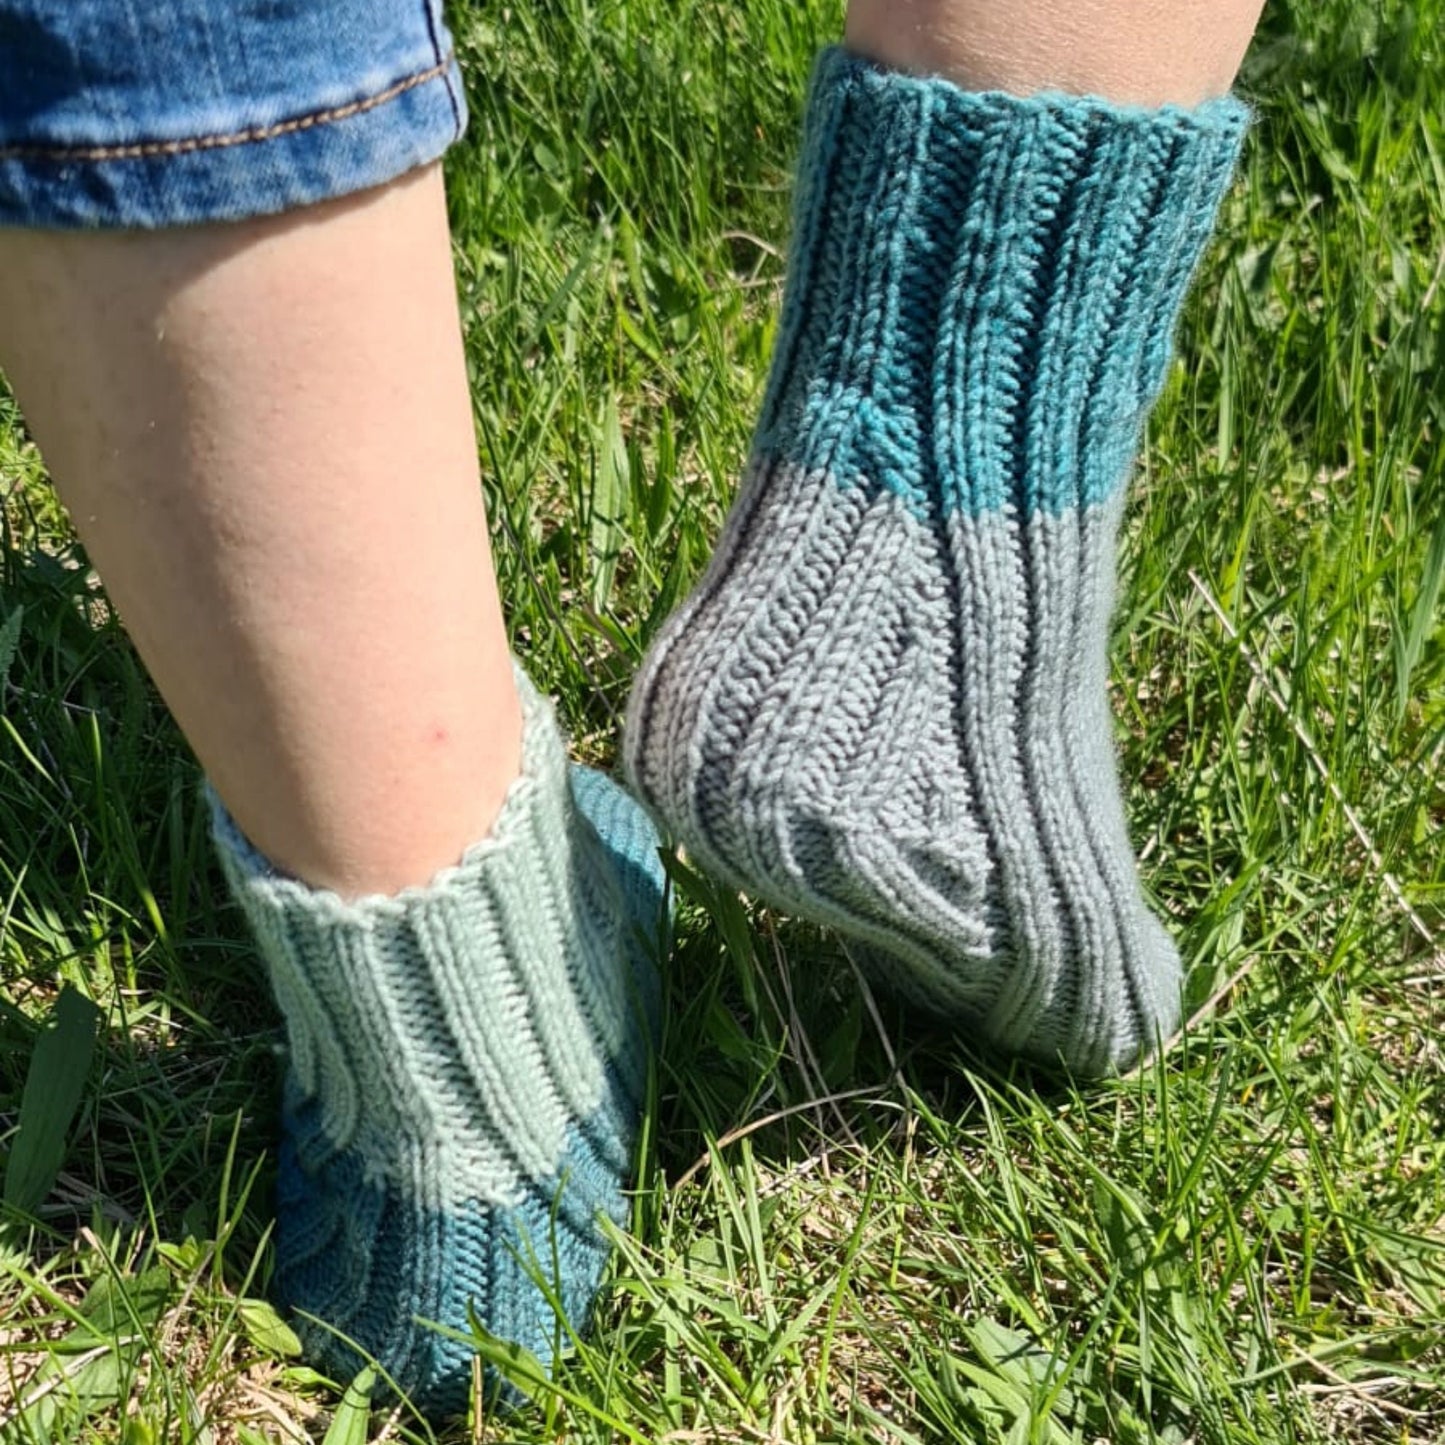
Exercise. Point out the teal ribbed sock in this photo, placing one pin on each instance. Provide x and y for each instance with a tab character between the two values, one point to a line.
884	706
467	1062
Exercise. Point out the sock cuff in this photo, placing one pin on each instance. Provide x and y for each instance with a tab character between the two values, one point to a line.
485	1010
977	280
838	68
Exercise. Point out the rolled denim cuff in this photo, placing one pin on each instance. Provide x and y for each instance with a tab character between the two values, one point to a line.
179	112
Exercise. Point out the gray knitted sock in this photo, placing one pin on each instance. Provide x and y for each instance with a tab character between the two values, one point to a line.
884	707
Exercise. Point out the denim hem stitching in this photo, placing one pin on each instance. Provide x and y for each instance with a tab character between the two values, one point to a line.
143	150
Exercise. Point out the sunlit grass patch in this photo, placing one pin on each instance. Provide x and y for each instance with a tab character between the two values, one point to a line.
847	1226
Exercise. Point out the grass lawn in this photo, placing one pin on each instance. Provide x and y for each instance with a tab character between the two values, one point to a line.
847	1227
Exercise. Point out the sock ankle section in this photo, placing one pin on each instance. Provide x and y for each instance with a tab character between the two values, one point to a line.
883	707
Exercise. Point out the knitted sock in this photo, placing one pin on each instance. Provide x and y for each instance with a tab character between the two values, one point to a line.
884	706
467	1061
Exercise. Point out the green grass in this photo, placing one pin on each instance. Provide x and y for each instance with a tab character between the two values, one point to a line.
847	1227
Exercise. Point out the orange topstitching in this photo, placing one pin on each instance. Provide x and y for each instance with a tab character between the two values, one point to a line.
143	149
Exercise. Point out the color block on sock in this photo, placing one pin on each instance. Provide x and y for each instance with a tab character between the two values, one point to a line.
884	708
983	288
363	1259
467	1063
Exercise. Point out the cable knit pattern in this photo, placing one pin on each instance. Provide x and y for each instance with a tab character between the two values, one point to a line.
884	706
467	1062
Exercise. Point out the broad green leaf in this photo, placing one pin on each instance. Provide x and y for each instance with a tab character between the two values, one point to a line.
515	1363
136	1431
267	1330
1423	618
610	491
353	1414
58	1070
114	1306
79	1392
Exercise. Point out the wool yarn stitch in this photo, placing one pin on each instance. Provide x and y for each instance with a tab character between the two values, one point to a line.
883	708
467	1061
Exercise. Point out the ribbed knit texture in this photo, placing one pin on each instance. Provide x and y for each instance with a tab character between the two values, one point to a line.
467	1062
884	706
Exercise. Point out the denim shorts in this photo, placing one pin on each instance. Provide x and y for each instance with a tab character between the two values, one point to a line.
146	113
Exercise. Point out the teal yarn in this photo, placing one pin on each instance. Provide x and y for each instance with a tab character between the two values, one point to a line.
467	1062
983	288
884	706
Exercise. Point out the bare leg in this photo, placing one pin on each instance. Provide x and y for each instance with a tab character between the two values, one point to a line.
264	436
1140	52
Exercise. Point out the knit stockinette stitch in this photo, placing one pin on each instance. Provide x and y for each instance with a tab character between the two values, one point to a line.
467	1063
884	706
